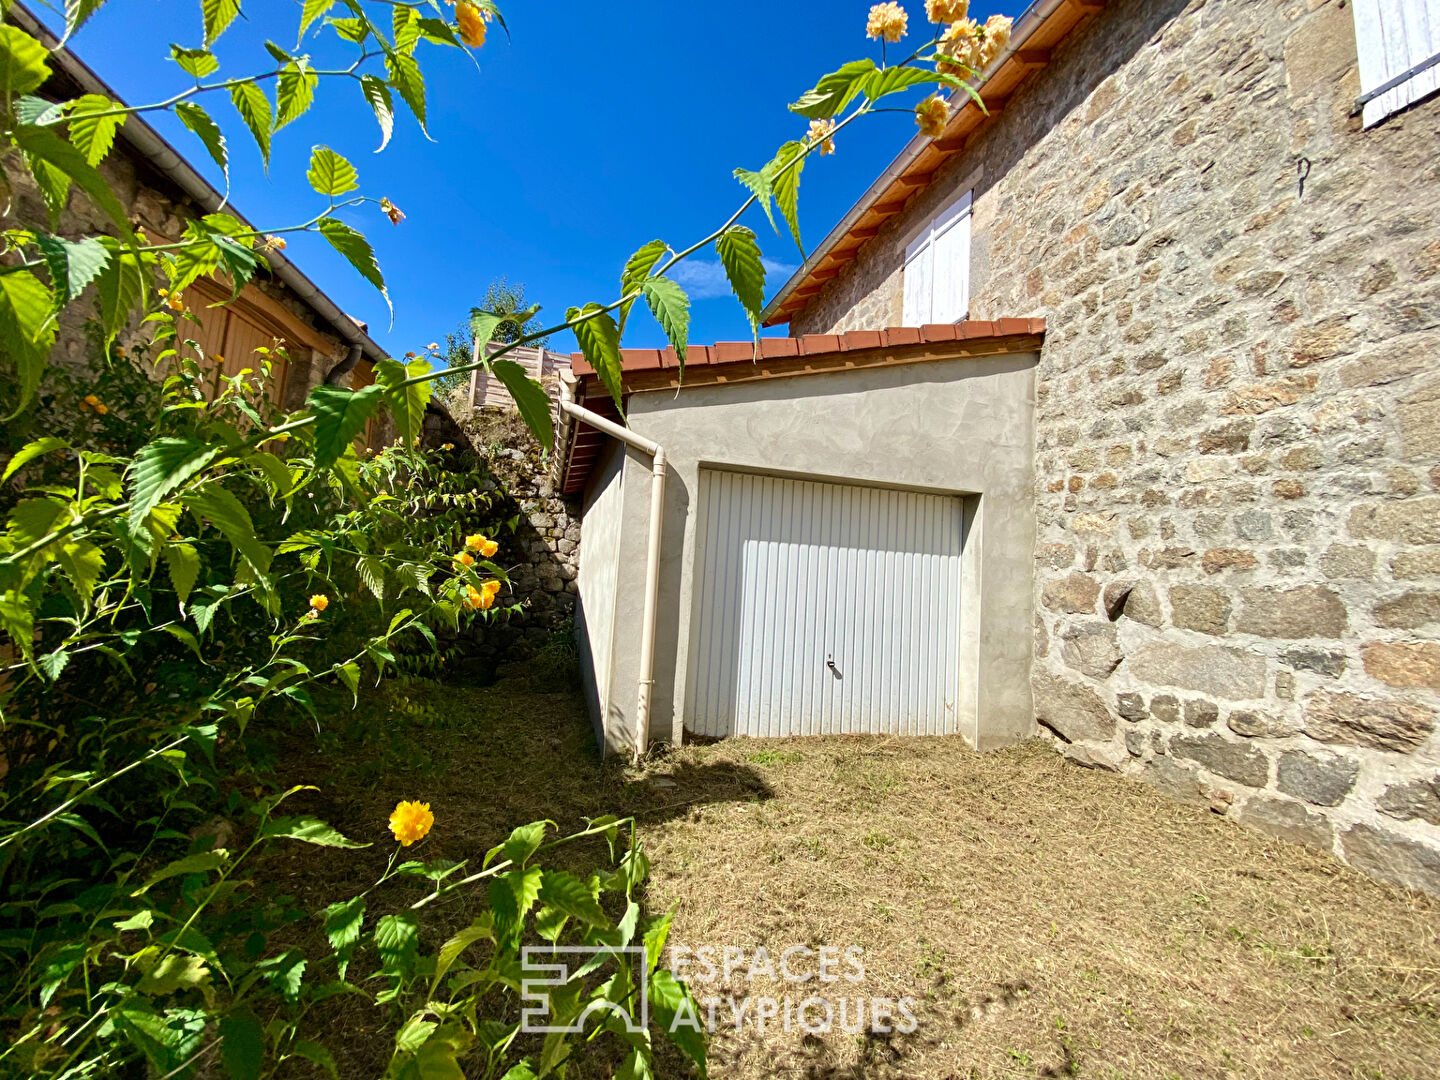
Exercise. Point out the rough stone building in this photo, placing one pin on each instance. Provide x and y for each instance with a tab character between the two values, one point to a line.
1237	404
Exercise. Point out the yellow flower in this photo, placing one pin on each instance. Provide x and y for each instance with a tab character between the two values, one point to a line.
962	43
433	347
472	24
275	243
393	212
820	136
411	821
120	351
490	588
946	11
465	559
218	358
931	116
887	21
319	601
102	409
174	303
477	599
483	544
91	400
447	446
997	35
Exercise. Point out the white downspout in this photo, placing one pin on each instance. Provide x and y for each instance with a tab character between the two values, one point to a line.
658	470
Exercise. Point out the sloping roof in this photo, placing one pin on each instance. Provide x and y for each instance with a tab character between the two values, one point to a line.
731	362
154	148
1043	26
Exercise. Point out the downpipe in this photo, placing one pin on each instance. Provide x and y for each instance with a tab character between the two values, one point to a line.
658	470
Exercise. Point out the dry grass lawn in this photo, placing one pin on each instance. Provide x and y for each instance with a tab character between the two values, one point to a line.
1047	920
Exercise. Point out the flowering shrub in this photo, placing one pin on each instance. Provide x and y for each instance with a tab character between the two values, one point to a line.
182	563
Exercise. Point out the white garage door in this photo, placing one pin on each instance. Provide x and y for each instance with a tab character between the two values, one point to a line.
824	609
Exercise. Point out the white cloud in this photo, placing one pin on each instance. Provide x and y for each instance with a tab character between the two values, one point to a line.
704	279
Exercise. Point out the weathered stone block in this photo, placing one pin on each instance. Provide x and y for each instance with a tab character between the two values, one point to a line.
1217	559
1200	713
1090	756
1325	662
1075	594
1165	708
1409	611
1411	521
1412	800
1307	612
1379	723
1344	562
1290	821
1419	417
1135	742
1072	711
1254	525
1209	669
1173	779
1319	50
1131	706
1404	663
1409	565
1091	648
1392	857
1319	778
1233	760
1255	724
1200	607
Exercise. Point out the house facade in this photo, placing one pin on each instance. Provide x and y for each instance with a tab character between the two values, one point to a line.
1236	566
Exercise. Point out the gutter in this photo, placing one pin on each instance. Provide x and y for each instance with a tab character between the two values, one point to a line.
167	160
1032	19
645	689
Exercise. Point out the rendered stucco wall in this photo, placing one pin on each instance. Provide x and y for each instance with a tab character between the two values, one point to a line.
957	426
599	570
1237	587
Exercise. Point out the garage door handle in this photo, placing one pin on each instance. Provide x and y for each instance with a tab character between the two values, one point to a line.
830	663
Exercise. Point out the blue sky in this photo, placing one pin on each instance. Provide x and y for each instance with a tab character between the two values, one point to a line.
595	129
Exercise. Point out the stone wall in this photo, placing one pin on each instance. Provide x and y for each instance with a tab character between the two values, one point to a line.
543	554
1237	583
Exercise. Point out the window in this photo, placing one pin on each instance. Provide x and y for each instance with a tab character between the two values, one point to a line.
1399	47
937	269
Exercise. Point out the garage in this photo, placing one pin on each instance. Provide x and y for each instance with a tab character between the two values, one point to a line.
832	537
825	609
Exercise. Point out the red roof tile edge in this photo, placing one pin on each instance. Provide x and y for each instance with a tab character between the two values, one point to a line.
734	352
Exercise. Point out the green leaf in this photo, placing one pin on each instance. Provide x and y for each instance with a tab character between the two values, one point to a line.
316	1054
834	91
330	174
405	26
29	452
277	473
671	308
120	289
160	468
407	403
223	510
294	91
73	264
372	574
344	921
312	10
311	830
218	14
377	95
786	183
522	1071
254	108
512	895
42	144
599	340
656	934
27	329
483	325
92	133
84	564
183	561
890	80
200	863
197	63
637	269
207	131
32	520
523	841
349	674
565	892
178	971
242	1044
740	255
357	251
22	62
405	77
397	938
439	32
340	416
668	999
530	398
77	12
758	184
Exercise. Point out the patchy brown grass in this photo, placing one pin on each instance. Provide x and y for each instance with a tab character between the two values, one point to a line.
1048	921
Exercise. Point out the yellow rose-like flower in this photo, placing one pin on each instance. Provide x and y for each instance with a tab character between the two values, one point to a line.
887	21
471	23
411	821
447	446
91	400
174	303
477	599
319	601
946	11
465	559
997	35
962	43
483	544
102	408
820	135
931	116
490	587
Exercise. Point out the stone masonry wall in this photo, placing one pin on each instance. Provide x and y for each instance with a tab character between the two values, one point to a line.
1237	583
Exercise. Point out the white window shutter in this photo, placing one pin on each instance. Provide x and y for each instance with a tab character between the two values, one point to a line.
1395	38
918	283
951	248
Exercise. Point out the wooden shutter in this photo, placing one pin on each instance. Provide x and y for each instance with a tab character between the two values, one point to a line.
1398	43
937	268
